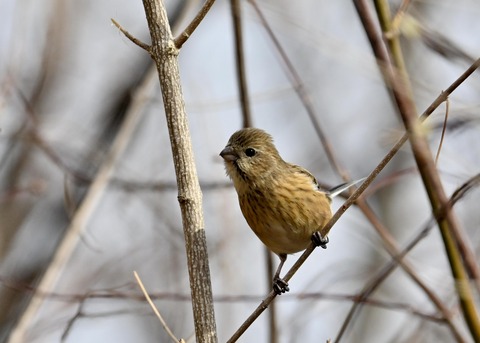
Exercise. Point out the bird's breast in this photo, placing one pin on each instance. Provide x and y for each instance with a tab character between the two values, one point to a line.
285	217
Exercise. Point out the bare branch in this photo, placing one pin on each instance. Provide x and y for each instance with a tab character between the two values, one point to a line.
134	40
81	217
376	281
387	238
164	52
461	257
301	91
444	129
236	7
183	37
265	303
155	310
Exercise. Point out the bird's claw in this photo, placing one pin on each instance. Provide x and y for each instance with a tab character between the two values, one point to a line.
320	241
280	286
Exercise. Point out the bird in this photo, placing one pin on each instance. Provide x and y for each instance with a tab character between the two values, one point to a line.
282	202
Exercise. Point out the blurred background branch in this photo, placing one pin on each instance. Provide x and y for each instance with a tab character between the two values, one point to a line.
459	252
63	106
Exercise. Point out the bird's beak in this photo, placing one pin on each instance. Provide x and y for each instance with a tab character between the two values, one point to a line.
228	154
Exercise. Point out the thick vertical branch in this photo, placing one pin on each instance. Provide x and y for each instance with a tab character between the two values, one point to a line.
165	54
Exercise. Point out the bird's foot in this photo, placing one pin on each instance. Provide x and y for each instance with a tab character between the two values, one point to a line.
320	241
280	286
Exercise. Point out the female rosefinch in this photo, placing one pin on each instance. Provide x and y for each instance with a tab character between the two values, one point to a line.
282	202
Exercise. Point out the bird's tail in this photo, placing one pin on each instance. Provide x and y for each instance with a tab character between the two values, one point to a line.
340	188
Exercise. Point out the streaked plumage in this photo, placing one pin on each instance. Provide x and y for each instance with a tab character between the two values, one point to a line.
282	202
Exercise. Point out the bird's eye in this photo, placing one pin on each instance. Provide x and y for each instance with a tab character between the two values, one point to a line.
250	152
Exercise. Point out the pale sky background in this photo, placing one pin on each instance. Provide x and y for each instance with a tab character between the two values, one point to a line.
77	72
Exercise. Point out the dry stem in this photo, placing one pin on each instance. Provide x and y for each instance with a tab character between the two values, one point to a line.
164	51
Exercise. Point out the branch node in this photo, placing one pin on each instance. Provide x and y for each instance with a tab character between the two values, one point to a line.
182	199
172	48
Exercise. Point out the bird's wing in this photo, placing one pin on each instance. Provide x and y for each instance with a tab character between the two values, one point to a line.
331	192
340	188
302	170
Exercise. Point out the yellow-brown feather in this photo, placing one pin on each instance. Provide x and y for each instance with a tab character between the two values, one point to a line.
285	211
280	201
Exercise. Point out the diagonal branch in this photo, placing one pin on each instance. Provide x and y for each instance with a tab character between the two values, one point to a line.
134	40
459	254
376	281
441	98
183	37
155	310
301	91
387	239
83	214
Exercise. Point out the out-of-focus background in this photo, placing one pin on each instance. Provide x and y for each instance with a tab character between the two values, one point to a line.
75	95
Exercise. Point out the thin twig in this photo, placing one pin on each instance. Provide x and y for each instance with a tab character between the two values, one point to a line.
240	62
442	97
461	257
301	91
183	37
134	40
444	128
387	238
82	216
383	14
376	281
155	309
78	314
324	232
236	11
272	313
392	248
397	19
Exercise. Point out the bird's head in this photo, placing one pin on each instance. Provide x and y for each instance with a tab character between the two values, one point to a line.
250	157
